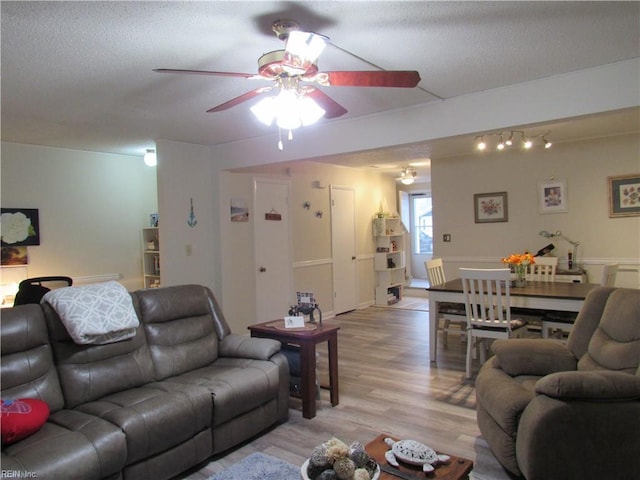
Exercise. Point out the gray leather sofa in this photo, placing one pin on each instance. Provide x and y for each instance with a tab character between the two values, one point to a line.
181	390
553	411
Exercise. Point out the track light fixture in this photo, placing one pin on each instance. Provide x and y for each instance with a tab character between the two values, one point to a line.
526	141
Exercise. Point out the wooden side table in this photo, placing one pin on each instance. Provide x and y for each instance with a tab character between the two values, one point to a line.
307	339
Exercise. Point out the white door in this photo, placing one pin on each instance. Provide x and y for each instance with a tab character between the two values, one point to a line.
273	249
343	248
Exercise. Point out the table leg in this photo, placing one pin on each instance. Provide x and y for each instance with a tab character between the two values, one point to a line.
333	368
433	327
308	374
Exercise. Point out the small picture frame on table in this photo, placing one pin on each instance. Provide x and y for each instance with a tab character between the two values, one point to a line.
624	195
490	207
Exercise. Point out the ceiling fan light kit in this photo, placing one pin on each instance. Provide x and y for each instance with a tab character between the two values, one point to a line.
526	141
297	104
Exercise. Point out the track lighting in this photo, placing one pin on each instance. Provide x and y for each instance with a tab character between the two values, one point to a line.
527	141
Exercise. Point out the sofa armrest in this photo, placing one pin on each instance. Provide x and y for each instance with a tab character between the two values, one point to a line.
592	385
532	357
241	346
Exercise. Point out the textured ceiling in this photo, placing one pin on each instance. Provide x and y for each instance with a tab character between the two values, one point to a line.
79	74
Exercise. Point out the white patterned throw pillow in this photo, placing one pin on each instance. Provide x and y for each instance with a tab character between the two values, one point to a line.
95	314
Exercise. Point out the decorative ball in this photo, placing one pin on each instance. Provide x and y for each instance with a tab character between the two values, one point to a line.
328	475
344	468
359	457
319	457
361	474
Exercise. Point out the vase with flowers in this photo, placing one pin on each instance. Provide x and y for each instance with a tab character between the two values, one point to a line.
518	262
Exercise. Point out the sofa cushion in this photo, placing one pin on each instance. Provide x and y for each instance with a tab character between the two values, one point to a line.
615	344
87	371
27	368
21	418
155	417
70	445
179	326
238	385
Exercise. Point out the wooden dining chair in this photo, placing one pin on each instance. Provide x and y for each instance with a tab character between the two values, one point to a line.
451	314
488	309
543	270
609	273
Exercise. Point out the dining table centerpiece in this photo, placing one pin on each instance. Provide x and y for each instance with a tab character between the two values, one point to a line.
518	263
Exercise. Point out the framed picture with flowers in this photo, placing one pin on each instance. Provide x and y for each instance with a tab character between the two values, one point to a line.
553	196
490	207
20	227
624	195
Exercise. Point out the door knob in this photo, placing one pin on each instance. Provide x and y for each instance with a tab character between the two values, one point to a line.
262	269
353	258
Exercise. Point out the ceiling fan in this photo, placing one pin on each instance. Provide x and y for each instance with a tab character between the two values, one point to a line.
294	72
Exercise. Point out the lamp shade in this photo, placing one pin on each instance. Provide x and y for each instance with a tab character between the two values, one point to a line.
301	51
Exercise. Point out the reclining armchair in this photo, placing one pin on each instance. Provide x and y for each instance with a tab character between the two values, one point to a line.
550	410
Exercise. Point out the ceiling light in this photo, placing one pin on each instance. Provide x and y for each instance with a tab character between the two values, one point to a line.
527	140
290	109
150	158
509	141
407	175
302	49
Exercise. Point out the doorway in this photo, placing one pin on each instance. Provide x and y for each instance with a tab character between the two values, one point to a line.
343	249
420	232
272	243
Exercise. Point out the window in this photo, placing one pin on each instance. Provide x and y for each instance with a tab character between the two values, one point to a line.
422	224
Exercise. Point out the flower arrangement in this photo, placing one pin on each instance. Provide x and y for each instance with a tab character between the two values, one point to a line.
335	460
518	262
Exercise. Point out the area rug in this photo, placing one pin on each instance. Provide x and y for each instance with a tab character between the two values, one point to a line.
259	466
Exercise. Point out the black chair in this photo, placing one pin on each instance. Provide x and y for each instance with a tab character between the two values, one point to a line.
32	290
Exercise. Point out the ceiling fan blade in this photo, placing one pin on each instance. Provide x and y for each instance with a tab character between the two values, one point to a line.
240	99
206	72
375	78
332	108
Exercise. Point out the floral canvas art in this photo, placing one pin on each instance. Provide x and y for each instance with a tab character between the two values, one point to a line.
624	196
20	227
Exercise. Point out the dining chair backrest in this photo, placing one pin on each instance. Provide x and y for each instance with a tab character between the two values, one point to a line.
609	275
543	270
487	297
435	271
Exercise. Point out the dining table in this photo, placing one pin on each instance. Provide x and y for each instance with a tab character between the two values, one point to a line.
535	295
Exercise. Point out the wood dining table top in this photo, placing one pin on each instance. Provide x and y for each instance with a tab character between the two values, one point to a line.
564	290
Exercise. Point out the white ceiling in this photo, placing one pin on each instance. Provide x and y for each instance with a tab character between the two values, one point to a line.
79	74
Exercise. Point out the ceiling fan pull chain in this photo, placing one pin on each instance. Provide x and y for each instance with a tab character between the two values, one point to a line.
280	147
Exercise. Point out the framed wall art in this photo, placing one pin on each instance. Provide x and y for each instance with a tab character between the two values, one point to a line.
553	196
20	227
490	207
624	195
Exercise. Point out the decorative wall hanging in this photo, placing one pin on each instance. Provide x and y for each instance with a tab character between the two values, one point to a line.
239	210
20	227
273	215
553	196
191	221
624	195
154	219
490	207
12	256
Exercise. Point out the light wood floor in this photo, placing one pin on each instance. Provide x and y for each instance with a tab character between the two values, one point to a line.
387	384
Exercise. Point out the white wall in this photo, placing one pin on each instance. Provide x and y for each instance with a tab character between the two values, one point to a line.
92	208
187	254
585	166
